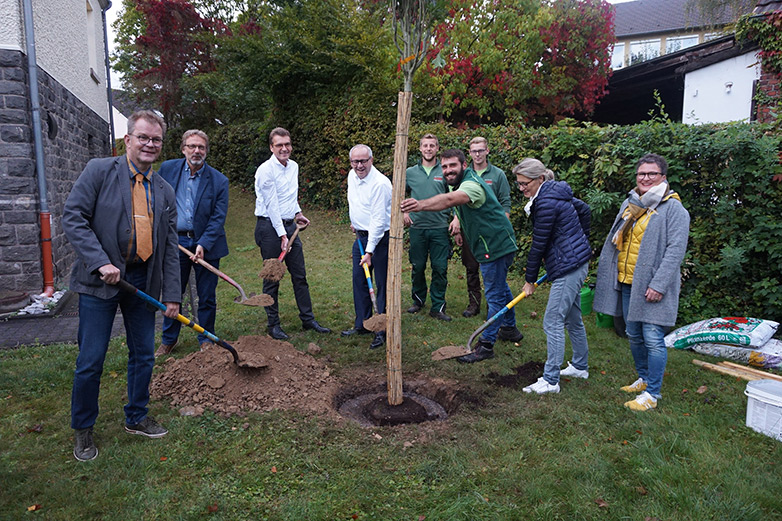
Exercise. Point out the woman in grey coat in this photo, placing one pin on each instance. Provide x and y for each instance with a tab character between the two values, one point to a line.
639	274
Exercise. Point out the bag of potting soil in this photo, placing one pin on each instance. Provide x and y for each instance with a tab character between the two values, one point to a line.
768	357
737	331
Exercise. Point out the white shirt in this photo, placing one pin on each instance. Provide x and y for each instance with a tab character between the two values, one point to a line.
369	202
277	192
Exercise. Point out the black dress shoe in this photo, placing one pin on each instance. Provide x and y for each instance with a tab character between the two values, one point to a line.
313	324
379	340
356	331
483	351
277	333
415	308
439	315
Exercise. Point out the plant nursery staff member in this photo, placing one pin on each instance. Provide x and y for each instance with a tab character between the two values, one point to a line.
496	179
491	237
428	231
202	204
278	211
560	231
639	274
120	218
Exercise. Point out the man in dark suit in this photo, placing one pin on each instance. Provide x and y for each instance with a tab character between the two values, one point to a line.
120	218
201	205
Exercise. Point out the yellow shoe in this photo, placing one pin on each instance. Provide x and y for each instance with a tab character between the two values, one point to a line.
642	402
635	387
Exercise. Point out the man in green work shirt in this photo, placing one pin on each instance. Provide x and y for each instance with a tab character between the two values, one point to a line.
428	231
498	182
489	232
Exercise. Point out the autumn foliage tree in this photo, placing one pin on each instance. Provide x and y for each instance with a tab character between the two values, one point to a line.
163	44
522	59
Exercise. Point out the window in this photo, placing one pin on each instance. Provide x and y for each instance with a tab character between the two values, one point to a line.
92	42
677	43
643	50
618	56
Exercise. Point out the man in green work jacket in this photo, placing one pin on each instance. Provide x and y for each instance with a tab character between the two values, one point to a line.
428	231
491	237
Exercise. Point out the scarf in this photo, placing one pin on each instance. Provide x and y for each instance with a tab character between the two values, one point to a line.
637	206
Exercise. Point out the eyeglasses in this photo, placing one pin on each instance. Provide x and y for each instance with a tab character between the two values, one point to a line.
356	162
280	146
195	147
145	140
651	175
523	186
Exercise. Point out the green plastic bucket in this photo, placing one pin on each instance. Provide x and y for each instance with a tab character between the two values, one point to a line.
606	321
587	296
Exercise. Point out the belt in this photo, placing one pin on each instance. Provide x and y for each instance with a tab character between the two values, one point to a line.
286	222
363	233
190	234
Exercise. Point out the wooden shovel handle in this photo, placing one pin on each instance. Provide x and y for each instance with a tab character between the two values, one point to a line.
214	270
290	243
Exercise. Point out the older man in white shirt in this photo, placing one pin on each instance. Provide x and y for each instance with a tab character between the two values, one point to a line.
278	211
369	202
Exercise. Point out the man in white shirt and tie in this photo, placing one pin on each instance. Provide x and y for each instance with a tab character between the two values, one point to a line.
278	211
369	202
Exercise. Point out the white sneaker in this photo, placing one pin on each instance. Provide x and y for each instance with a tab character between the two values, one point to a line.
570	370
541	387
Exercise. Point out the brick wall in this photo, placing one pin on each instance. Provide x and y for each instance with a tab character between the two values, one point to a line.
72	134
769	89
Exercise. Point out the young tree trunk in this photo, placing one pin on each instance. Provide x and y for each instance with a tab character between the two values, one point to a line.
395	252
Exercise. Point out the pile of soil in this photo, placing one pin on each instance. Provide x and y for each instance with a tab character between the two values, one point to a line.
209	379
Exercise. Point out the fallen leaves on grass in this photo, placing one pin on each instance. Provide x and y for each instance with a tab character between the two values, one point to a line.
211	509
702	389
35	428
33	508
602	503
274	470
641	490
163	458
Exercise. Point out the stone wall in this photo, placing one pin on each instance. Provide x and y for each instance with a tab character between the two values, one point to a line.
72	134
769	96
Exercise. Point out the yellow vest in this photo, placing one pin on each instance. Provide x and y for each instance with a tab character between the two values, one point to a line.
628	255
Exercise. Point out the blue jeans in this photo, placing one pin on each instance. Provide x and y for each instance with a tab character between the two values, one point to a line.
96	316
206	284
498	295
564	311
647	346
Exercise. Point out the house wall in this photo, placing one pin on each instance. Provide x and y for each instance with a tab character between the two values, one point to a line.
72	135
770	96
69	44
721	92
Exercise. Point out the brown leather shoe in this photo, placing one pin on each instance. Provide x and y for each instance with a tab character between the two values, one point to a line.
164	349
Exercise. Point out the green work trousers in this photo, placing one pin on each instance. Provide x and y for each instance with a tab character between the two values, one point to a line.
436	245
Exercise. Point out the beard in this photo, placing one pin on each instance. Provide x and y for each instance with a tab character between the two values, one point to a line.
454	180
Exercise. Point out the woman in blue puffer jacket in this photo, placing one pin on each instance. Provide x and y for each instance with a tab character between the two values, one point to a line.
560	231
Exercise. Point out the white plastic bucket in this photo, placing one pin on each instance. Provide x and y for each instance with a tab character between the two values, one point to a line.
764	407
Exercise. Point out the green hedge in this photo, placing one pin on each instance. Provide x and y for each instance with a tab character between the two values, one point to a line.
723	174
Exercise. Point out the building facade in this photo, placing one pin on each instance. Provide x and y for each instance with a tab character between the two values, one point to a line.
74	110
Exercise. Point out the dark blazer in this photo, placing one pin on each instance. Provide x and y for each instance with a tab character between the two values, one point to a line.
98	222
560	232
211	206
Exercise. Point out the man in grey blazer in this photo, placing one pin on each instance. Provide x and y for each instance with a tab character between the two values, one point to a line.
102	226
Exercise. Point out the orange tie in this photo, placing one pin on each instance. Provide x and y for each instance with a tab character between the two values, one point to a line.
141	220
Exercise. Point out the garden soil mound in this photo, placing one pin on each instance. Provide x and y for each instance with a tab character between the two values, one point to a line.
209	379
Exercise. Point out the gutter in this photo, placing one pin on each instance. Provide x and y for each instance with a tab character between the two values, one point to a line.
40	166
109	94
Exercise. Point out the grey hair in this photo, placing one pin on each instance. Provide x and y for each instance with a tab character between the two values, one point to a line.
195	132
360	145
147	115
532	168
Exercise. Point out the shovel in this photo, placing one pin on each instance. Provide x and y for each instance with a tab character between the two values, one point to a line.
273	269
378	321
253	300
446	352
252	363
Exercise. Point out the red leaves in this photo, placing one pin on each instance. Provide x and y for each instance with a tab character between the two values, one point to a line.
602	503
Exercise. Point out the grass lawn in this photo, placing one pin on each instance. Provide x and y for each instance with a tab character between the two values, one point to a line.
503	455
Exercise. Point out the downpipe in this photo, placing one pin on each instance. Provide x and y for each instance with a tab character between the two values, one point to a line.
40	166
